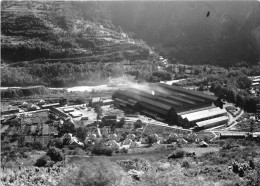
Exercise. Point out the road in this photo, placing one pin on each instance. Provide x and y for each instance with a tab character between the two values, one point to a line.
234	119
231	120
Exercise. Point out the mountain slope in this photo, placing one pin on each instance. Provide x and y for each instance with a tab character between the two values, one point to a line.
58	44
215	32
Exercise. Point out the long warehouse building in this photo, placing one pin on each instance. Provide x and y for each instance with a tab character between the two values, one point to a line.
170	103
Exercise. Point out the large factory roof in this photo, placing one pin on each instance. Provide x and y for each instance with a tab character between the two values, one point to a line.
189	92
212	121
130	94
194	116
196	110
174	97
161	97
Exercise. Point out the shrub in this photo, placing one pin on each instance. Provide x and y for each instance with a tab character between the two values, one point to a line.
77	151
177	154
124	150
185	164
38	145
97	173
42	161
55	154
80	100
101	150
151	139
57	143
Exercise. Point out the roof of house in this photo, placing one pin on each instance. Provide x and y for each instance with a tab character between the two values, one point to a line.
45	129
4	128
212	121
108	101
233	133
33	128
95	99
204	114
68	109
59	112
76	114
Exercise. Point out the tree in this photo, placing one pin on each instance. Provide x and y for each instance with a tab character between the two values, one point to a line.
38	145
201	87
68	127
243	82
57	143
138	124
42	161
152	139
7	154
63	101
55	154
80	100
81	133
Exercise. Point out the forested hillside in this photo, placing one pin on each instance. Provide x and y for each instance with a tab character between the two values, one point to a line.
63	44
73	43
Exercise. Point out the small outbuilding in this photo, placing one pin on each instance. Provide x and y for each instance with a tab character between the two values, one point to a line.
203	144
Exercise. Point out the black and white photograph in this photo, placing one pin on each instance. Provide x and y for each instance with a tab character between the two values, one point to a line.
130	93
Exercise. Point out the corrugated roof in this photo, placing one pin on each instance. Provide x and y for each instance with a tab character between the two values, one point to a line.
154	109
120	100
180	89
176	98
108	101
59	112
204	114
233	133
148	113
143	99
212	121
195	110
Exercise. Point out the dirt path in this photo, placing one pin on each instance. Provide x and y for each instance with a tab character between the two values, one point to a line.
234	119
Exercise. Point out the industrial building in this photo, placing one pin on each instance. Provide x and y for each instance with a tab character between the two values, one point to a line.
205	117
172	104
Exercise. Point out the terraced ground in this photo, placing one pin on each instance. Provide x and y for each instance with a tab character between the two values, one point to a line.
46	36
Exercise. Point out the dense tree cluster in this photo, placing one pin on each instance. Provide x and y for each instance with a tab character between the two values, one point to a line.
58	74
158	76
21	92
233	87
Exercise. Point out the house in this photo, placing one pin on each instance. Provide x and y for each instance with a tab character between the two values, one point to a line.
203	144
112	137
113	144
134	144
41	102
75	114
72	140
95	101
130	136
173	135
92	136
127	141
